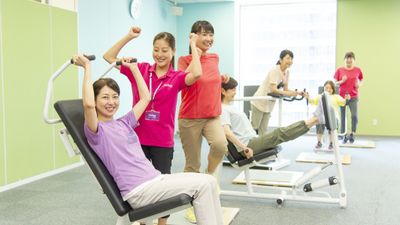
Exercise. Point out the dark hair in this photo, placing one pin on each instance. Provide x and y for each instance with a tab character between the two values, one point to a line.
100	83
349	55
232	83
198	25
168	37
332	85
283	54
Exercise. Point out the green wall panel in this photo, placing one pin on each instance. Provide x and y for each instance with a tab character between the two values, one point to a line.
27	68
2	162
369	29
64	45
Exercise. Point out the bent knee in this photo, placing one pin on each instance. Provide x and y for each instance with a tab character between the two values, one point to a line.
219	148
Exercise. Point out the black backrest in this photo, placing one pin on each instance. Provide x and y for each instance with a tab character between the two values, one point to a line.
233	155
72	115
248	91
330	120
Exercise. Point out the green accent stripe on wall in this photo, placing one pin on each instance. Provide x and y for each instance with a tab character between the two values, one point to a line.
369	28
27	60
2	152
36	40
64	33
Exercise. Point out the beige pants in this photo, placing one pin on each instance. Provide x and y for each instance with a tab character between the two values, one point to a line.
202	187
259	120
191	132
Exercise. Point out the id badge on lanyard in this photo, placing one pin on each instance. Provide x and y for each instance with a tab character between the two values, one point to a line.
152	114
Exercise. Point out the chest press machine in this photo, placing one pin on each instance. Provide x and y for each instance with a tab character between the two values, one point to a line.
72	115
294	190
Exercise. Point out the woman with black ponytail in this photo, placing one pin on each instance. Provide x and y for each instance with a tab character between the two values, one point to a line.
277	76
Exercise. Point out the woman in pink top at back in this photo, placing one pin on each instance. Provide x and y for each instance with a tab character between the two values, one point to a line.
349	78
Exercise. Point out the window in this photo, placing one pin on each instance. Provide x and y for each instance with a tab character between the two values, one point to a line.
64	4
307	29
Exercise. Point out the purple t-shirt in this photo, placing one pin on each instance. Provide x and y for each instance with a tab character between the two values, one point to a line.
118	146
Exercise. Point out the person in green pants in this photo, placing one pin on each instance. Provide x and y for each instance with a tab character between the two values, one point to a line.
239	131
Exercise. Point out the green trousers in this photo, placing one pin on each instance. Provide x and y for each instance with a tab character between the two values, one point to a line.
276	137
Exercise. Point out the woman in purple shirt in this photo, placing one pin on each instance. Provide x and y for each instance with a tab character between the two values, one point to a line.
118	146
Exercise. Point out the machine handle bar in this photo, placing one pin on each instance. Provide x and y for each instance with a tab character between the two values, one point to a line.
50	88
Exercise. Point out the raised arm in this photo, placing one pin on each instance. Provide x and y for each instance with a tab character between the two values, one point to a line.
87	92
194	67
232	138
144	94
344	78
111	55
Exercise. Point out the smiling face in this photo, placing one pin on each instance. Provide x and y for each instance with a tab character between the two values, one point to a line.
349	61
205	40
229	95
286	62
328	88
107	103
162	53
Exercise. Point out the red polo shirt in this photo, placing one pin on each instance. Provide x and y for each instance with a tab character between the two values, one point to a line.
203	98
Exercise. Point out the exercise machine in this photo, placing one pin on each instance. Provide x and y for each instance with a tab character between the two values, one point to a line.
325	137
279	162
301	188
72	115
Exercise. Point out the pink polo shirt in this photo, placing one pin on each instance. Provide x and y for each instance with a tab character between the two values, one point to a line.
158	133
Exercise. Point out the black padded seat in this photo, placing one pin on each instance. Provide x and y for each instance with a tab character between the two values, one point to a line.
72	115
235	157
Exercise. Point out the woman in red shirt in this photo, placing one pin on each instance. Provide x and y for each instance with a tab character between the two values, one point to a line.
349	78
201	107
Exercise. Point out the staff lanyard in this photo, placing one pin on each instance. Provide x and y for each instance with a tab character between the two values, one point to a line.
151	90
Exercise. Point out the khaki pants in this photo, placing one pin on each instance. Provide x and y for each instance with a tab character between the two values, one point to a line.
191	132
276	137
259	120
202	187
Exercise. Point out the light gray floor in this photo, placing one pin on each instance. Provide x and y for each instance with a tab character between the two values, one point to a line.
372	183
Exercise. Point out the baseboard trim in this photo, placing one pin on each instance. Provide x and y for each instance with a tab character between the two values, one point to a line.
40	176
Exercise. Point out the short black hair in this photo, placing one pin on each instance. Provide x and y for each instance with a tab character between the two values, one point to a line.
232	83
349	55
198	25
283	54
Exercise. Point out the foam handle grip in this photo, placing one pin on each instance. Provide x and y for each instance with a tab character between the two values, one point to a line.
132	61
308	176
321	183
90	57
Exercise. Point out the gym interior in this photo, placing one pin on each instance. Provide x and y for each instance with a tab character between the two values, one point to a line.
41	184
